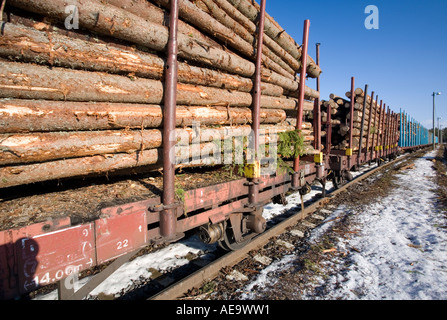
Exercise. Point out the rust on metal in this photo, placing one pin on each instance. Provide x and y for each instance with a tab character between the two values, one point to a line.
168	218
365	102
367	154
299	122
256	105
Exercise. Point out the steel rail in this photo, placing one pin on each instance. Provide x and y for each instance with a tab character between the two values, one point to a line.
212	270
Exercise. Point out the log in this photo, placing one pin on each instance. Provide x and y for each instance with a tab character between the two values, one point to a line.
42	147
112	21
358	92
26	81
11	176
25	174
220	15
21	43
344	129
148	11
288	84
252	29
203	21
43	116
273	30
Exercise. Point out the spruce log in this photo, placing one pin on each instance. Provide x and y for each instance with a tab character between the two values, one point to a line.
43	116
24	174
112	21
104	164
252	29
203	21
27	81
52	48
220	15
288	84
273	30
42	147
148	11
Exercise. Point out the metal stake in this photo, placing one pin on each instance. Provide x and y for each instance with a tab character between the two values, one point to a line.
168	217
299	123
256	108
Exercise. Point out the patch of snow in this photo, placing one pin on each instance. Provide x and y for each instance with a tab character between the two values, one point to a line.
400	252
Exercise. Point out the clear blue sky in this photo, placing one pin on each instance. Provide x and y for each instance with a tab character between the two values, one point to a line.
403	61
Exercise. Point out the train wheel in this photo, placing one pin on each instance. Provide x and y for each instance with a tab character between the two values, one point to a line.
229	242
241	229
339	179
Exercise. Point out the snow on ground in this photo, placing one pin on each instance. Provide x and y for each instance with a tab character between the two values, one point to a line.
386	267
402	251
294	201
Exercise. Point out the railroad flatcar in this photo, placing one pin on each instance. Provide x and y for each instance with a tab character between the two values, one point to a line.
129	123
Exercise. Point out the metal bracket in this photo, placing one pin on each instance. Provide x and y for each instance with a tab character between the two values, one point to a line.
162	207
301	178
252	183
251	207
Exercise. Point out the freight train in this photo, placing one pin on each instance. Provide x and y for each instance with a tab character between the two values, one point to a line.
129	123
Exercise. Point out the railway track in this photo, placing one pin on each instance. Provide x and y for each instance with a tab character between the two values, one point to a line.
314	211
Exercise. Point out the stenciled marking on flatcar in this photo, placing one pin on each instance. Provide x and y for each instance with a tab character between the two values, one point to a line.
120	245
52	276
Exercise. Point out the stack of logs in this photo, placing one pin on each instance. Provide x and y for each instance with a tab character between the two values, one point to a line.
341	116
82	86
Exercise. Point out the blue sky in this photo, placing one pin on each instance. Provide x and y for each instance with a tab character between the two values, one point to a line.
403	61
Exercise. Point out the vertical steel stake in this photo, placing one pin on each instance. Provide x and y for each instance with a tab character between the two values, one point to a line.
351	125
365	102
369	126
302	86
168	217
256	110
317	109
373	146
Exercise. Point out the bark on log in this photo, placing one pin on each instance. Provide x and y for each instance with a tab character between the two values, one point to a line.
220	15
112	21
43	116
42	147
280	36
203	21
103	164
26	81
251	28
151	12
288	84
27	44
